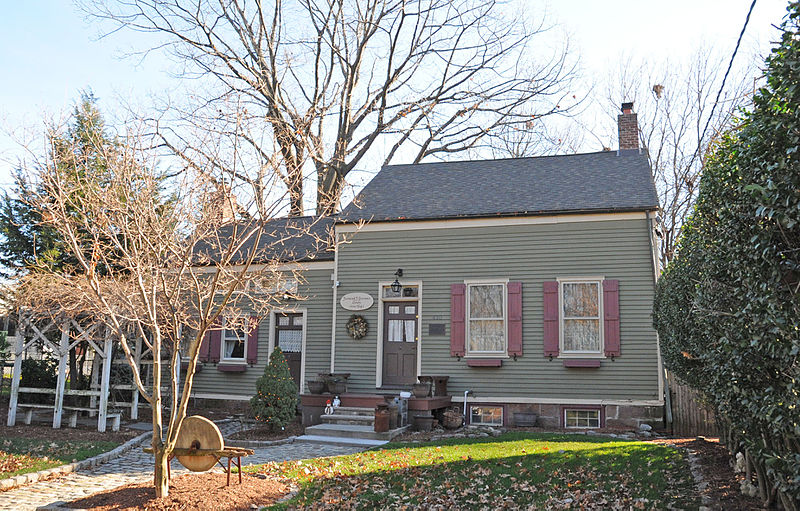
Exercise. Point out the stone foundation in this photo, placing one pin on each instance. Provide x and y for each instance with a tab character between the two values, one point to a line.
612	416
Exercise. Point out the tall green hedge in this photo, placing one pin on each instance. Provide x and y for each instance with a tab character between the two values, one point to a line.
727	308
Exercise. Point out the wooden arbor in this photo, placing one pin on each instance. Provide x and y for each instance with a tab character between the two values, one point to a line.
69	332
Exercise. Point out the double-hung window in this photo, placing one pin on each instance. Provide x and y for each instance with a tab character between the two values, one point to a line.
234	342
581	313
486	313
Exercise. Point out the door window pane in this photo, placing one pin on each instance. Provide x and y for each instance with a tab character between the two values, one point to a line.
290	341
394	309
411	309
395	330
283	320
411	333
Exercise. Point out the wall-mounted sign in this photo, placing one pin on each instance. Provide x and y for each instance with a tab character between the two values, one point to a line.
356	301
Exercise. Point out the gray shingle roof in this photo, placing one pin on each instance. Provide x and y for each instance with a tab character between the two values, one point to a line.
296	239
591	182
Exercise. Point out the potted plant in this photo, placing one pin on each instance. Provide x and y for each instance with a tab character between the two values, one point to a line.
422	389
316	386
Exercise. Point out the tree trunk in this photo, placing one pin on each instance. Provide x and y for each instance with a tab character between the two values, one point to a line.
329	190
160	478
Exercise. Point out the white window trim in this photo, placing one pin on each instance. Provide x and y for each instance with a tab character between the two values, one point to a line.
562	353
379	347
502	415
271	342
599	418
222	358
486	354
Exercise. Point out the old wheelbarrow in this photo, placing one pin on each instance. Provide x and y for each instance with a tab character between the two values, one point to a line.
200	446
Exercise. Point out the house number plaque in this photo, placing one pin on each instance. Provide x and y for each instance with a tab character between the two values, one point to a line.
356	301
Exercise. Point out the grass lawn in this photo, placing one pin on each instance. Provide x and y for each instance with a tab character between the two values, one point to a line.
23	455
514	470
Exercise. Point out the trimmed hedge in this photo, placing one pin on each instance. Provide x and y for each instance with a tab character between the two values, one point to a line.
727	308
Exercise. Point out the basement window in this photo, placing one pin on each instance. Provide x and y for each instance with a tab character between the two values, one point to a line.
582	418
486	415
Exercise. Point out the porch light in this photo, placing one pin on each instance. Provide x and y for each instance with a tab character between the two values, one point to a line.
396	284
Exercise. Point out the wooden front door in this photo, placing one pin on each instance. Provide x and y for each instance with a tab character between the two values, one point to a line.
400	343
289	338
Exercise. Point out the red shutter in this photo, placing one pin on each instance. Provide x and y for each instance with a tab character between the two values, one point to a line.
457	318
611	317
214	340
515	319
252	341
205	346
551	318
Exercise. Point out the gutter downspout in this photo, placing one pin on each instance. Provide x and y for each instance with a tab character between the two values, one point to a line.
662	372
335	284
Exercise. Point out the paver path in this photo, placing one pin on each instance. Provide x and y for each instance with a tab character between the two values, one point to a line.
136	466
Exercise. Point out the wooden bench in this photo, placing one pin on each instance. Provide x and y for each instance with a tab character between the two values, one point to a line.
29	408
72	412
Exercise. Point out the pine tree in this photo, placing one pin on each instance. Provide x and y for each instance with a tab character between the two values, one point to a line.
275	402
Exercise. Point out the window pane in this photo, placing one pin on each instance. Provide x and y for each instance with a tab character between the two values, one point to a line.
298	320
290	340
283	320
486	415
388	293
395	330
486	301
234	349
411	334
486	335
411	309
394	309
580	299
582	335
583	419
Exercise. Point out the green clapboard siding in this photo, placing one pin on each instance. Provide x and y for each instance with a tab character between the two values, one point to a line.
317	295
532	254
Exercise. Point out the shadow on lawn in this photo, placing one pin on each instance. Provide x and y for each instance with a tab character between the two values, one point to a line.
515	469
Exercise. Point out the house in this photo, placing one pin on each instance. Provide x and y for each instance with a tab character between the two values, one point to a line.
528	282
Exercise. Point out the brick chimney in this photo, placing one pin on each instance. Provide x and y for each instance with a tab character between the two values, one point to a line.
628	126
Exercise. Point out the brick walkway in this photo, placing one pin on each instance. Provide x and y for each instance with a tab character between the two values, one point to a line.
136	466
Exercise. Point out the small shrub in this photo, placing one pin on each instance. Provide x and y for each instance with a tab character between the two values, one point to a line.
275	402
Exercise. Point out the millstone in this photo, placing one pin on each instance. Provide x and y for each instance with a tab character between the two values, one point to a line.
199	433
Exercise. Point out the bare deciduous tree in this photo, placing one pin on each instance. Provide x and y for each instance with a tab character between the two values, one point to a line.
674	102
330	79
159	261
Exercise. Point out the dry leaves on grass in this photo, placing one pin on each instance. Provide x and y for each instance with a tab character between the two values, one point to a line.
13	462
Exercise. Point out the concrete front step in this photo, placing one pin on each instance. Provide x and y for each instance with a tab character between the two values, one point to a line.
352	410
347	442
337	418
352	431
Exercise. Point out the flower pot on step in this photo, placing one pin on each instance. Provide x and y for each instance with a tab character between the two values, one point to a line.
421	389
316	387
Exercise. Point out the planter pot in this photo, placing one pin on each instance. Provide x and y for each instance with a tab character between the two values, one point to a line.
423	422
316	387
381	423
421	389
337	387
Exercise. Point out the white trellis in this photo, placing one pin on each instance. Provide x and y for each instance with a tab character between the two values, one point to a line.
97	336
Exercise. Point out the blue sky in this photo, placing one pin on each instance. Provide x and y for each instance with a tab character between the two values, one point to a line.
49	52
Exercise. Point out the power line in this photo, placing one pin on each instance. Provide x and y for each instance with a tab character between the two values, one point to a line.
724	79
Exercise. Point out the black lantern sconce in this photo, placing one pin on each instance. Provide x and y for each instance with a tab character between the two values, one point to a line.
396	284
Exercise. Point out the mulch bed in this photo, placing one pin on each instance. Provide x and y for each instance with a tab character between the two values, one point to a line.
723	483
192	491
